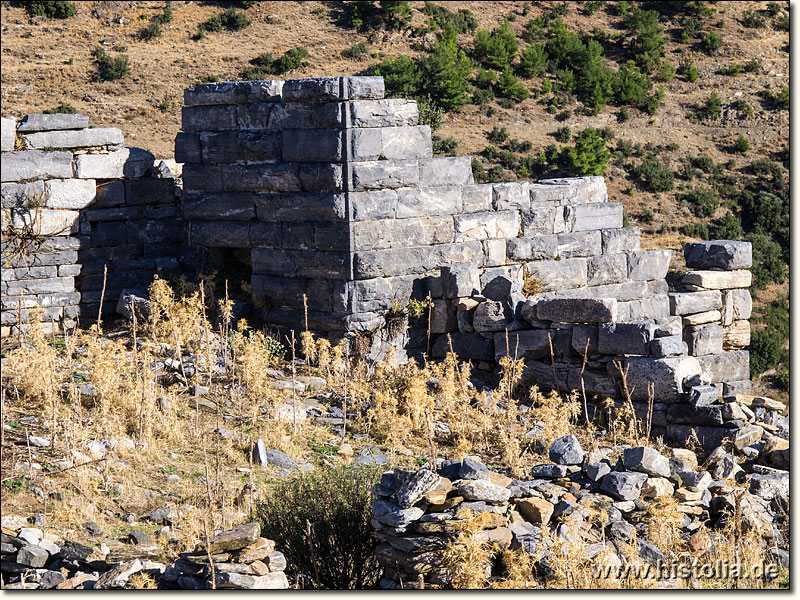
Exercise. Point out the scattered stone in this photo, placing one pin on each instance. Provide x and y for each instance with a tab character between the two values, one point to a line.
646	460
566	451
622	485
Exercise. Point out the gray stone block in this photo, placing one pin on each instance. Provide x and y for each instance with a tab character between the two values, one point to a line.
731	388
262	115
390	112
54	285
490	315
257	177
312	145
709	437
665	374
35	164
688	303
579	190
389	233
317	115
581	334
41	222
488	225
218	206
405	261
577	244
672	345
208	118
119	213
495	253
321	177
377	204
8	134
564	219
187	148
265	234
657	287
539	220
703	395
558	274
333	88
607	269
109	194
70	193
648	265
22	194
617	241
625	338
510	195
702	415
717	280
726	255
668	326
262	146
233	92
377	175
418	202
541	247
460	281
476	198
127	162
446	170
149	191
577	310
301	207
624	292
389	143
602	215
523	344
645	309
467	346
79	138
704	339
222	234
51	122
736	305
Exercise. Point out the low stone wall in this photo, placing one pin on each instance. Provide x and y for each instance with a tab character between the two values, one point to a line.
83	217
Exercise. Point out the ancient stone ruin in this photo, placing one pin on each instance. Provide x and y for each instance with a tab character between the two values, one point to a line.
327	196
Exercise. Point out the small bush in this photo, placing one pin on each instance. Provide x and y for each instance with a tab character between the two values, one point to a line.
781	23
497	47
702	201
623	115
729	227
152	31
653	176
589	156
665	71
497	135
357	51
62	109
509	86
482	97
564	115
402	76
713	105
647	216
689	70
752	19
774	9
711	42
231	19
652	101
547	86
704	162
742	145
732	69
743	108
444	146
462	21
321	522
698	229
110	68
752	65
291	60
51	10
563	134
533	60
782	99
429	114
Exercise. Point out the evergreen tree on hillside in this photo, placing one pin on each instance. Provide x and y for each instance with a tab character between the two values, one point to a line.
446	72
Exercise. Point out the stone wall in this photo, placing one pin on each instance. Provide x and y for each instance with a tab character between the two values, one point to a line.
76	202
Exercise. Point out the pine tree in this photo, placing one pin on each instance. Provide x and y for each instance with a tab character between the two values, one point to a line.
510	87
533	60
446	71
589	156
497	47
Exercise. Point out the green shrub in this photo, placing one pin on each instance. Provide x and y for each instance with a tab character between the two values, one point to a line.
462	21
509	86
497	47
782	98
482	97
767	343
447	70
647	216
743	107
711	42
698	229
782	380
713	105
152	31
357	51
589	156
742	145
752	65
565	80
623	115
402	76
395	15
665	71
564	115
729	227
774	9
110	68
51	10
429	113
484	78
547	86
688	69
781	23
647	45
497	135
653	176
230	18
533	60
535	29
291	60
703	201
321	522
630	84
704	162
444	146
732	69
752	19
62	109
563	134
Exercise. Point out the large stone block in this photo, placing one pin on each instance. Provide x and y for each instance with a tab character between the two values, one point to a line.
736	335
617	241
648	265
727	366
218	206
222	234
601	215
576	190
688	303
736	305
511	195
188	148
78	138
541	247
607	269
418	202
460	281
625	338
208	118
52	122
577	244
718	280
70	193
558	274
393	233
35	164
27	287
22	194
446	170
665	374
8	134
317	115
624	292
671	345
127	162
377	175
389	143
149	191
390	112
539	220
467	346
476	197
405	261
704	339
298	207
583	335
488	225
312	145
577	310
333	88
263	146
523	344
41	222
257	177
233	92
726	255
645	309
377	204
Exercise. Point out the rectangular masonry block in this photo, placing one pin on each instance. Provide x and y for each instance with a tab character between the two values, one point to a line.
246	146
188	148
446	170
35	164
272	261
223	234
725	255
648	265
686	303
208	118
127	162
625	338
53	285
727	366
617	241
51	257
718	280
564	274
390	112
396	233
488	225
8	134
300	206
624	292
259	116
149	191
511	195
377	204
736	305
665	375
376	175
21	273
524	344
78	138
333	88
495	252
212	206
607	269
573	190
710	316
543	247
22	194
312	145
52	122
405	261
324	265
736	335
70	193
256	177
602	215
704	339
119	213
577	310
233	92
41	221
476	198
583	243
418	202
539	220
652	307
265	234
389	143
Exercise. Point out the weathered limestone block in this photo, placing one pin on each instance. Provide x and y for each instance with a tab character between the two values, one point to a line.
51	122
419	202
377	204
624	292
704	339
523	344
672	345
70	193
405	261
127	162
460	281
35	164
648	265
667	326
539	219
29	273
446	170
476	197
41	221
625	338
726	255
222	234
732	388
317	115
376	175
618	241
8	134
687	303
578	244
296	207
736	305
718	280
606	269
488	225
208	118
443	316
601	215
390	233
333	88
311	145
708	415
385	143
577	310
581	334
250	146
54	285
257	177
233	92
78	138
649	308
736	335
558	274
469	346
666	374
534	248
22	194
710	316
495	253
571	190
391	112
512	195
489	316
218	206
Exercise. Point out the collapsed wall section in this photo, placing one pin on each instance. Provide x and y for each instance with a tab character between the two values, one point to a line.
83	218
